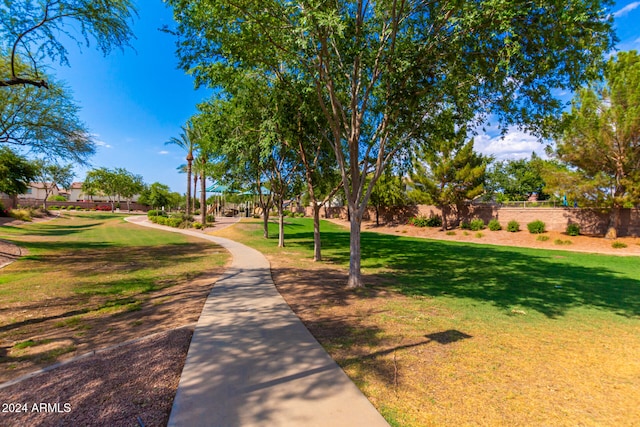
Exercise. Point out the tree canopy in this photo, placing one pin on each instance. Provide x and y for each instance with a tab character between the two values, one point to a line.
31	32
15	172
385	71
43	121
516	180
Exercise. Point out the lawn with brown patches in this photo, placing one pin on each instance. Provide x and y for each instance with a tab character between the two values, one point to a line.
91	281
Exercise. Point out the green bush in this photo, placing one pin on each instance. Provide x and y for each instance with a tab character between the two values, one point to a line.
476	224
465	225
573	229
542	238
423	221
513	226
153	213
173	221
211	218
618	245
197	225
494	225
536	227
54	207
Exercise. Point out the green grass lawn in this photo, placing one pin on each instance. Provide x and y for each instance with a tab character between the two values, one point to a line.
456	333
549	283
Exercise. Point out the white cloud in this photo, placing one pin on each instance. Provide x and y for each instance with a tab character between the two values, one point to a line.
163	152
99	142
514	145
625	10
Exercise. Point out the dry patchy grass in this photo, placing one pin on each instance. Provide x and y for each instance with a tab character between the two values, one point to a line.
89	283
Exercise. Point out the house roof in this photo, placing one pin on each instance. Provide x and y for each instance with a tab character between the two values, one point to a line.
40	185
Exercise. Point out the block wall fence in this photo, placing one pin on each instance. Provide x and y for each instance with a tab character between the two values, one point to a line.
591	221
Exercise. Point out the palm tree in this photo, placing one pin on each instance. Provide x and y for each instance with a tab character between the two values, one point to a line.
186	141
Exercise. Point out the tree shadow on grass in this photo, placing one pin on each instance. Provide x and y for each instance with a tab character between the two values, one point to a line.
549	282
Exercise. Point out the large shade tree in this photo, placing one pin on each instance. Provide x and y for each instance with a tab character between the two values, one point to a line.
602	138
384	71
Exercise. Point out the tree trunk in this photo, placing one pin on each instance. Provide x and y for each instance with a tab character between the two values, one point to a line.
188	207
203	198
317	246
265	221
443	209
377	216
280	225
195	193
355	276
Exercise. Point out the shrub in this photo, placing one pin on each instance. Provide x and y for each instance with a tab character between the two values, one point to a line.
104	208
154	212
71	208
173	221
197	225
423	221
465	225
618	245
20	214
513	226
78	208
494	225
3	211
573	229
451	233
476	224
542	238
536	227
562	242
479	235
211	218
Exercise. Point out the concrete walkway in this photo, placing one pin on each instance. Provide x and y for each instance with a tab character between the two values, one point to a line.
253	363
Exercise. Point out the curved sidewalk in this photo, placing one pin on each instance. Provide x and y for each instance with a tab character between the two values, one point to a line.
253	363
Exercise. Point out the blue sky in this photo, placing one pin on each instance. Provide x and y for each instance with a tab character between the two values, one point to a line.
135	101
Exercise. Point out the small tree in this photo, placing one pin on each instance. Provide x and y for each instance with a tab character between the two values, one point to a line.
449	173
52	175
388	192
159	195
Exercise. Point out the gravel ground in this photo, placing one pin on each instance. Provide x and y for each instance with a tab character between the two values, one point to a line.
130	385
